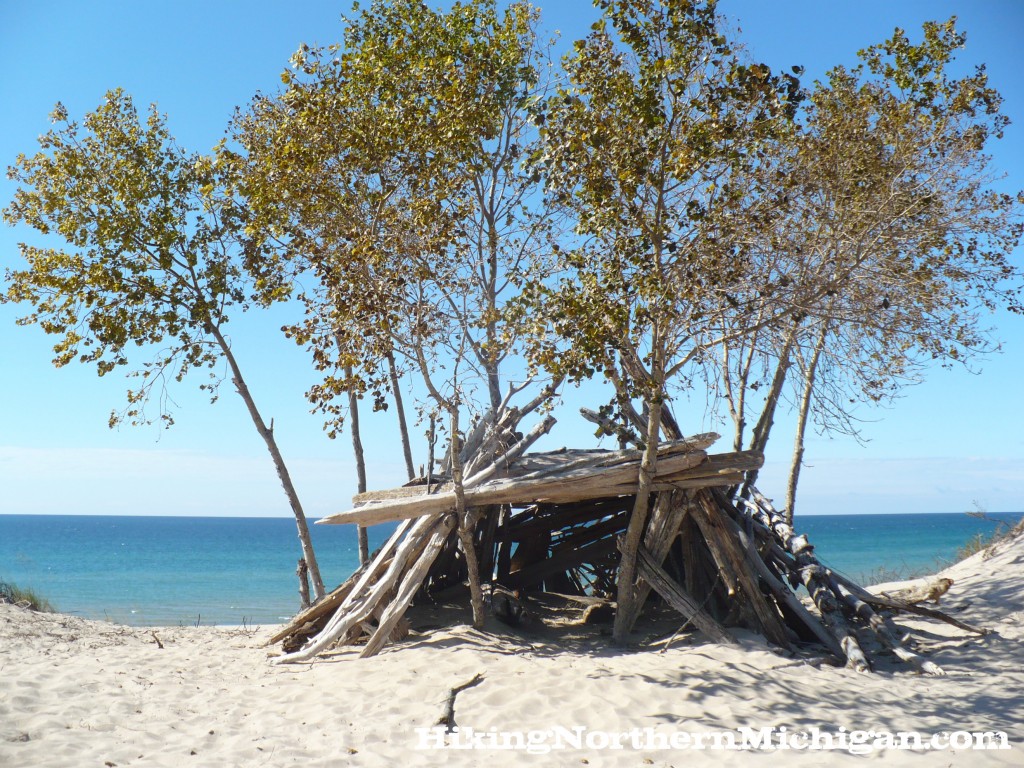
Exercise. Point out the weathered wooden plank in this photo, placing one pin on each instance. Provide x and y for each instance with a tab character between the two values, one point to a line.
405	492
360	604
718	465
560	562
651	572
311	616
535	466
576	485
732	560
667	517
410	585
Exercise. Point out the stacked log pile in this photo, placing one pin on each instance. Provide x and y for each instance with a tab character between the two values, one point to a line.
553	521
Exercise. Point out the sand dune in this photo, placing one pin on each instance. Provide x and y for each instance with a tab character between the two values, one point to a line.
84	693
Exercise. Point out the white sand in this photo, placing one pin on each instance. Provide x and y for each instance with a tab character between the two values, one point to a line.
84	693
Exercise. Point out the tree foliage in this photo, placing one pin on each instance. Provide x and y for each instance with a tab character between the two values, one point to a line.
152	255
650	144
156	258
890	209
389	168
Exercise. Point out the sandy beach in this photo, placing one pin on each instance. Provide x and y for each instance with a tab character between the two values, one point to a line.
85	693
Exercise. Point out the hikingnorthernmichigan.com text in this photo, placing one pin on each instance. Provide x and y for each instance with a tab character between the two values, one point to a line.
781	738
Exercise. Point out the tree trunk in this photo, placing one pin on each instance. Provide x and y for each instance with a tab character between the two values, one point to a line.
466	525
267	433
627	593
431	441
762	430
491	363
736	398
403	427
801	426
357	450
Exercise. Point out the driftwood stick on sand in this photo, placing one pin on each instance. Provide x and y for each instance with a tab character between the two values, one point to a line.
448	718
932	590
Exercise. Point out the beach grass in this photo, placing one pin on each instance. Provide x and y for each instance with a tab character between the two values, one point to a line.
979	542
27	598
888	574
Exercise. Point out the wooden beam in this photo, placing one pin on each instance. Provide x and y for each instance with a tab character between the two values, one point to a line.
536	466
651	572
731	560
560	562
576	485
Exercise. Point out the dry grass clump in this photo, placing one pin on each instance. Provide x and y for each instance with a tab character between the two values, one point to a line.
12	594
979	542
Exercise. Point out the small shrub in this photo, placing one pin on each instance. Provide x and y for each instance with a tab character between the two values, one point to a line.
12	594
974	545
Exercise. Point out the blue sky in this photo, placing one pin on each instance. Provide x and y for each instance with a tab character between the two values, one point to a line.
953	441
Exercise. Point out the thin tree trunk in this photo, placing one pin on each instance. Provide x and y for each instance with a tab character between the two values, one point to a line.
403	426
491	364
735	398
801	427
494	386
466	525
627	593
267	433
357	450
431	441
762	430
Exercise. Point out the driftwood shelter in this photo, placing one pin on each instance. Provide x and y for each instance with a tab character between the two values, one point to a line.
553	523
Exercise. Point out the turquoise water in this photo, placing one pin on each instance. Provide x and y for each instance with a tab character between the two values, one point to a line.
171	570
895	546
210	570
